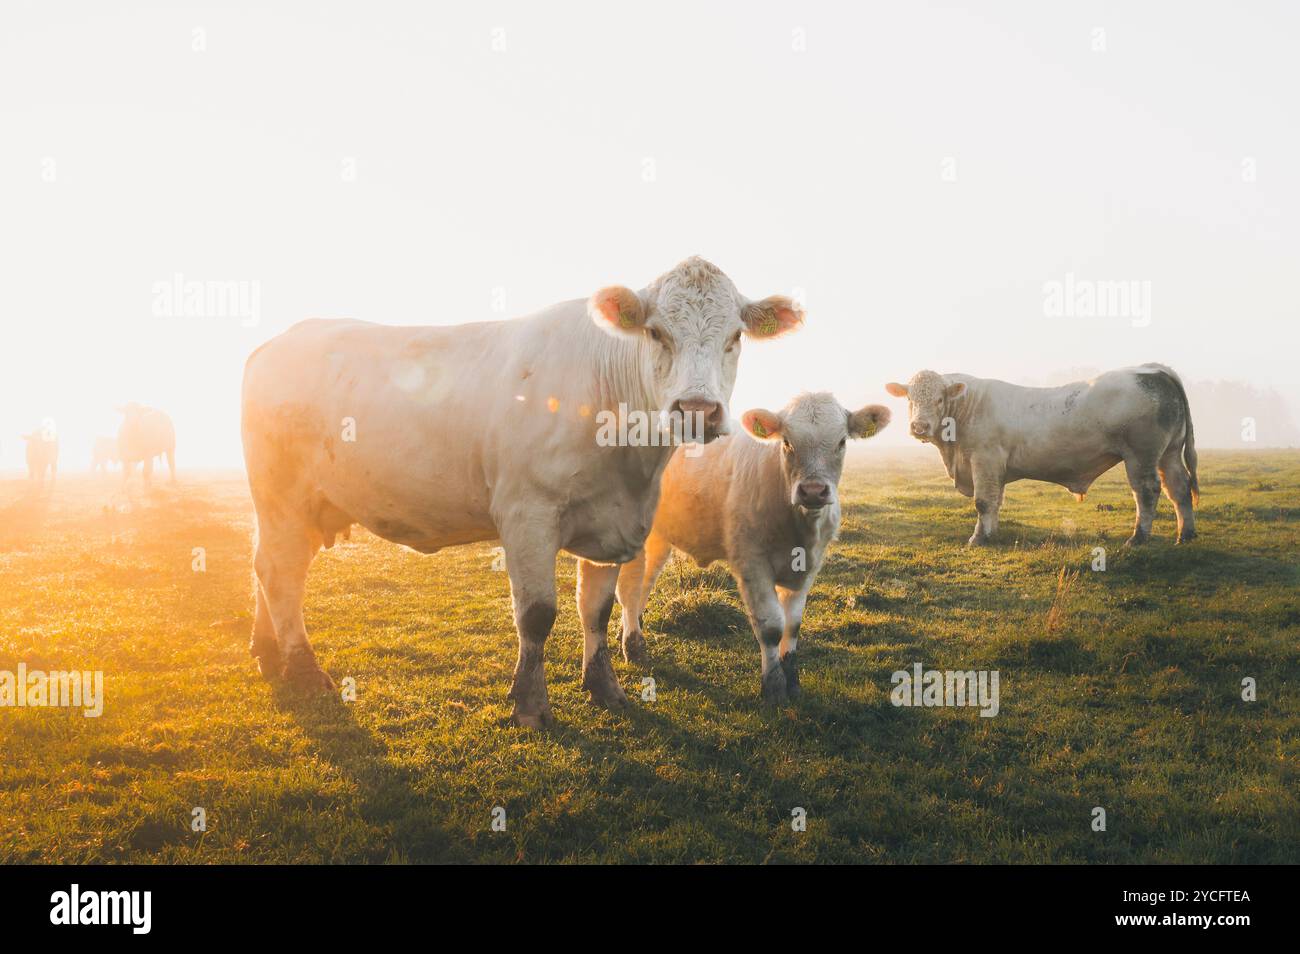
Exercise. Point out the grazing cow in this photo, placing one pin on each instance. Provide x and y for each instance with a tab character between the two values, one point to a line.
42	457
438	436
990	433
103	454
146	433
769	507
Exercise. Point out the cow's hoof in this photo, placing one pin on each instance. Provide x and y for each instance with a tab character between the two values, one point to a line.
790	666
598	679
775	691
304	673
269	662
1187	536
977	541
635	650
1137	540
542	719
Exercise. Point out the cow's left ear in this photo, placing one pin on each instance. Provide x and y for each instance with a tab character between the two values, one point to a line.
955	390
617	310
763	425
772	317
869	421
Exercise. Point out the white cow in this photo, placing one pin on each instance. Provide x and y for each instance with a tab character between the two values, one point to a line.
42	457
990	433
769	507
103	454
438	436
146	433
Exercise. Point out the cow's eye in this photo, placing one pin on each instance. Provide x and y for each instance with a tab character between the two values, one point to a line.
735	340
786	444
844	442
655	335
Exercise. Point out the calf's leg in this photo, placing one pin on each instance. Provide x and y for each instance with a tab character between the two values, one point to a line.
596	583
768	622
792	602
1145	482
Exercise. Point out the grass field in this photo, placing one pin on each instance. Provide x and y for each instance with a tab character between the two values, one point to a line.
1119	689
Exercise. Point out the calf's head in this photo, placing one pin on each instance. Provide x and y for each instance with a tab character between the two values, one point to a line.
688	325
814	431
928	399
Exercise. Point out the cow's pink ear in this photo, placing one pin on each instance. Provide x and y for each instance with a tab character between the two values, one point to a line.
617	310
896	389
772	317
869	421
955	390
762	424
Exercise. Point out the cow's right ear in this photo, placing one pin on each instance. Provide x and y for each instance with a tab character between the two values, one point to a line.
617	310
955	390
761	424
896	389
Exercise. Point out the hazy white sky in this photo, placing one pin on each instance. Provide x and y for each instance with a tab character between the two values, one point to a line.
919	171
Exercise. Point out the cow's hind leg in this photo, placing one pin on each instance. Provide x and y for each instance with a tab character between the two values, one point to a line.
596	584
1177	483
285	550
171	464
636	582
1144	480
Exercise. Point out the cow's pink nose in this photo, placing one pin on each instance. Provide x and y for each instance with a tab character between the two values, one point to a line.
711	413
813	494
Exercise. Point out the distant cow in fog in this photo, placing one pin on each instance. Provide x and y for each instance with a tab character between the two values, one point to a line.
104	454
990	433
145	433
42	456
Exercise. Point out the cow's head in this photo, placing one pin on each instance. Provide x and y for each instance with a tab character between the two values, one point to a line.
814	431
928	402
688	324
131	410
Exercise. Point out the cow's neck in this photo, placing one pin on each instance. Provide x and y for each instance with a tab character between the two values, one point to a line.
622	385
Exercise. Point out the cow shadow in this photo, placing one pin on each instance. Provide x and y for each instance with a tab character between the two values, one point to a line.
389	795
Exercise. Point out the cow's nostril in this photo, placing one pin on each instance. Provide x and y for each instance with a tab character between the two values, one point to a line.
918	427
710	411
814	493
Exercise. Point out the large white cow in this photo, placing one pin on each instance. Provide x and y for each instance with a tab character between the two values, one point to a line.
990	433
433	437
769	507
146	433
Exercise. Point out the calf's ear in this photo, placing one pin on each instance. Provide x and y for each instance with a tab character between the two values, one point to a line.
772	317
761	424
896	389
869	421
617	310
955	390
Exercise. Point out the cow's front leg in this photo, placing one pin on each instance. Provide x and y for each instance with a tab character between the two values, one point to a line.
988	501
530	560
792	602
596	584
767	619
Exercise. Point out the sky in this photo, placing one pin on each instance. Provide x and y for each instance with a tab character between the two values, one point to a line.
924	177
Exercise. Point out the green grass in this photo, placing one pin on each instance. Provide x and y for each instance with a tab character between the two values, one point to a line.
1130	699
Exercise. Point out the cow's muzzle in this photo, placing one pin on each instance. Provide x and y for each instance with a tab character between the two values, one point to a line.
701	419
812	494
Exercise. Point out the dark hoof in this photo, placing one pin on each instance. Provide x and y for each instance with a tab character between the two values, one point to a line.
1187	536
1137	540
634	649
269	662
541	719
977	541
598	679
790	666
774	688
304	673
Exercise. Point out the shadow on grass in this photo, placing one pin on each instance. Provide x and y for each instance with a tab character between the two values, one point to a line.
390	800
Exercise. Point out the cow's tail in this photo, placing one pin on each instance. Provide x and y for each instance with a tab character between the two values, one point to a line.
1189	440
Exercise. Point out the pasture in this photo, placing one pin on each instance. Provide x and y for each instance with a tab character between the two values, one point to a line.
1120	689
